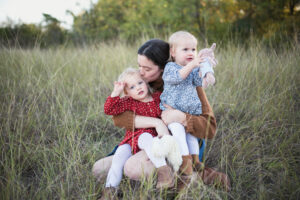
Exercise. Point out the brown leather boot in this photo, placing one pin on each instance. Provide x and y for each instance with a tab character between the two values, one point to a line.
165	177
198	166
109	193
212	177
186	167
185	173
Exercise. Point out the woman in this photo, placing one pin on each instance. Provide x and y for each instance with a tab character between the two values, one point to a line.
152	58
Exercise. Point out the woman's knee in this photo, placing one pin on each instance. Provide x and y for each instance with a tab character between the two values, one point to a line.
101	167
138	165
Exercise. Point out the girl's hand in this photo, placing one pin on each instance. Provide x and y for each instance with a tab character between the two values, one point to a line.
196	62
118	89
171	115
209	79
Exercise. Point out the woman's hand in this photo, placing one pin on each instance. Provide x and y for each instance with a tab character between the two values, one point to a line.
161	129
171	115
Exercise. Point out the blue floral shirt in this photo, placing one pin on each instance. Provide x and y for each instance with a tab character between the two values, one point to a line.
181	94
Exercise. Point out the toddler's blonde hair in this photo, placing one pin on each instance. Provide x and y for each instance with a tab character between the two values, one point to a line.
130	72
176	37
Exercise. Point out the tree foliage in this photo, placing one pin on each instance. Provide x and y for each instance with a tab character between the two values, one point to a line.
208	20
212	19
31	35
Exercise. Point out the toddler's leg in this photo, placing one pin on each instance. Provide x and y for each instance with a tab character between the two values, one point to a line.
178	132
145	142
165	177
115	173
186	168
193	145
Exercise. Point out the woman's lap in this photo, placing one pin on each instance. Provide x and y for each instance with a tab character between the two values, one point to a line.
136	167
101	167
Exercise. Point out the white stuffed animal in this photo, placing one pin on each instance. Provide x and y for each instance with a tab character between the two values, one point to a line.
208	53
167	147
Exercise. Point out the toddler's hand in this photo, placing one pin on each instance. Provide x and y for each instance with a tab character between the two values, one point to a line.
196	61
209	79
118	88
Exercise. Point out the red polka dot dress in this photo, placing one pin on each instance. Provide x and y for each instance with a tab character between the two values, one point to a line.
117	105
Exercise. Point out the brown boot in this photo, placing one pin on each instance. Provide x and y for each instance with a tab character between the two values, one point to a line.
109	193
185	173
198	166
186	167
165	177
211	176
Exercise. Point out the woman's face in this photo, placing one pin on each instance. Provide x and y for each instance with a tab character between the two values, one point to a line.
148	70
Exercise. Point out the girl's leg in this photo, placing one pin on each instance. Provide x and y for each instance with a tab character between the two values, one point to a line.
178	132
186	168
192	143
115	173
145	142
165	177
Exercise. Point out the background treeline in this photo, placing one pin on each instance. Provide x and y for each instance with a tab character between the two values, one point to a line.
210	20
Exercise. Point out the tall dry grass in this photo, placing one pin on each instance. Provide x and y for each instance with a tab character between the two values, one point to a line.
53	127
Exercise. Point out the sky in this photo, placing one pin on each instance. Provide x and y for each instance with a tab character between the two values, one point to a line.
30	11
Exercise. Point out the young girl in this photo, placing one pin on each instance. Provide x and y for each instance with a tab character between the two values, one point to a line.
139	100
181	77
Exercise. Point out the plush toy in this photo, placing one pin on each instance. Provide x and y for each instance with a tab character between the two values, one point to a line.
167	147
208	54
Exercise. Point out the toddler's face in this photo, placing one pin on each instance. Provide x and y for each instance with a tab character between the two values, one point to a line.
136	87
184	51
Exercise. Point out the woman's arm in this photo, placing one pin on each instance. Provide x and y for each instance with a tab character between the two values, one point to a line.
125	120
203	126
151	122
130	121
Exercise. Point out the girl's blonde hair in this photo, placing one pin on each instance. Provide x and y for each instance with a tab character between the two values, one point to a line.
176	37
130	72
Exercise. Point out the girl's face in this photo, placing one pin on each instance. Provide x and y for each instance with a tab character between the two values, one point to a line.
136	87
184	51
148	70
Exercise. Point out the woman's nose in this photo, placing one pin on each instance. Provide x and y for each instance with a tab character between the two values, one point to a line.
142	73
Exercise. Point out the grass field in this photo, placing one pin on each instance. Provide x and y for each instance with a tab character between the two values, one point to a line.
53	127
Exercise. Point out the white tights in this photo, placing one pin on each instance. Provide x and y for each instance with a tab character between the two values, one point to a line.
145	142
115	172
122	154
187	142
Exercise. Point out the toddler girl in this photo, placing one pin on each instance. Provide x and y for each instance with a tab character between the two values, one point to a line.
139	100
181	77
